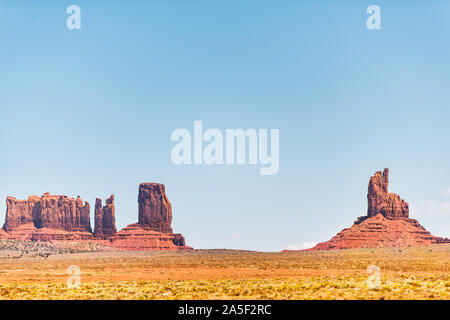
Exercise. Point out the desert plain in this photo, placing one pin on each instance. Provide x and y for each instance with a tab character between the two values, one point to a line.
34	270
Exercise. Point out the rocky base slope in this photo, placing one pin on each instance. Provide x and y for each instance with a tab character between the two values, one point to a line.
137	237
379	231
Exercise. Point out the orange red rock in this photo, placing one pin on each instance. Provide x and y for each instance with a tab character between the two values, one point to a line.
138	237
30	232
105	219
381	201
153	229
155	210
48	211
59	218
387	223
379	231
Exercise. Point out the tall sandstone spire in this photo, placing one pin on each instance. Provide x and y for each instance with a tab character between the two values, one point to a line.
155	210
381	201
105	219
387	223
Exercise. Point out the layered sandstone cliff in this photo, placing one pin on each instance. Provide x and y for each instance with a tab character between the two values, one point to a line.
154	227
54	218
137	237
379	231
381	201
19	212
48	211
387	223
29	232
155	210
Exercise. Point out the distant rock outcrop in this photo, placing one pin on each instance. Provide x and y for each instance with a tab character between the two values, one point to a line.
54	218
379	231
48	211
381	201
387	223
105	219
136	237
19	212
155	210
154	227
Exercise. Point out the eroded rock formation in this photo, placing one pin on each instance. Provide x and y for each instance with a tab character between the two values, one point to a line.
387	223
19	212
381	201
54	218
379	231
155	210
153	230
48	211
105	220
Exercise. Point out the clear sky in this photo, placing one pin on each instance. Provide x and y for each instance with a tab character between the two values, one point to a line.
90	112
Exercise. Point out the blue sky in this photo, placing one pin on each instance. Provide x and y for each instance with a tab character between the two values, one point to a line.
90	112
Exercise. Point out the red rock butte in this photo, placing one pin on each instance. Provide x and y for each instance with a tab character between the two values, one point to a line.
59	218
387	223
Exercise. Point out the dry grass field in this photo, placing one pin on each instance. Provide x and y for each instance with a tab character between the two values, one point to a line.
38	271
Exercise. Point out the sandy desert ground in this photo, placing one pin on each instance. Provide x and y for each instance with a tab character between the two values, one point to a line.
39	271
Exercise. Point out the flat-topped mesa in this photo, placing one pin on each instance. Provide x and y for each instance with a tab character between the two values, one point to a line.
105	220
390	205
48	211
62	212
19	212
155	210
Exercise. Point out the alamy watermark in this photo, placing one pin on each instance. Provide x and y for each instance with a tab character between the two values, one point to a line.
74	279
235	146
373	22
374	280
73	21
